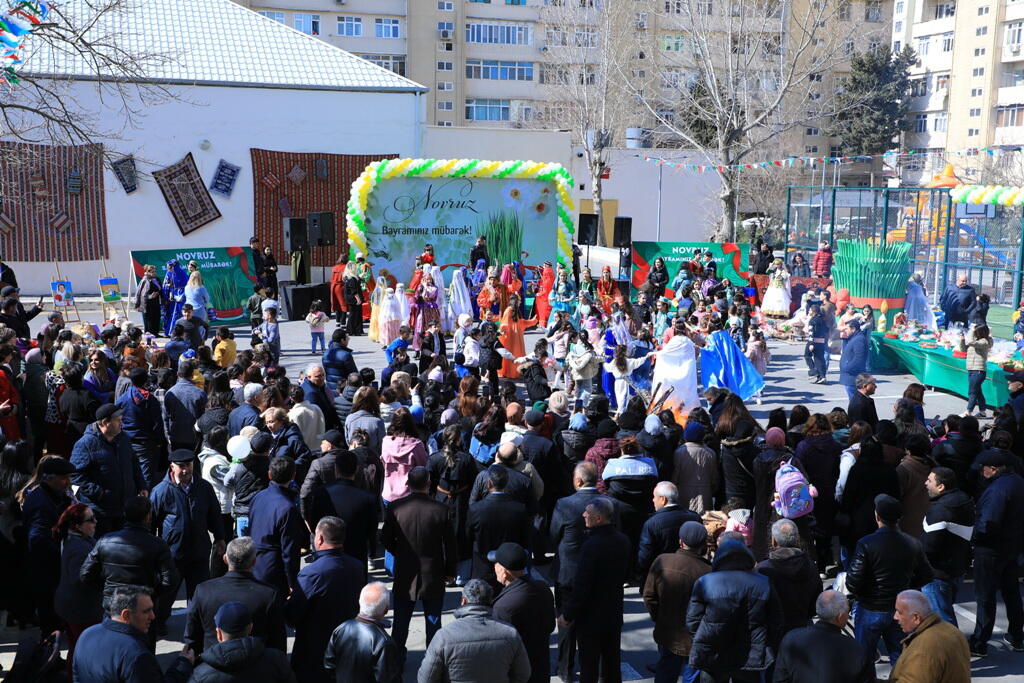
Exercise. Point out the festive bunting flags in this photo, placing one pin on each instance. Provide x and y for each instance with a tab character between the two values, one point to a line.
15	26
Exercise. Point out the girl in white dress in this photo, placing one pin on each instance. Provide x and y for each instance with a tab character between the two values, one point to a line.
459	302
777	299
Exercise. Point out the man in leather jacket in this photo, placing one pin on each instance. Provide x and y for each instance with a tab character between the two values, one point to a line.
360	649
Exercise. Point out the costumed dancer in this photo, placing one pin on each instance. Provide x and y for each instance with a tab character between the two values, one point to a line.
427	257
585	309
447	322
417	275
366	283
777	299
587	282
477	282
662	317
563	294
196	294
389	318
512	336
404	305
607	290
175	279
722	364
917	306
513	285
542	297
459	301
493	296
338	307
425	308
675	374
617	334
619	369
353	292
376	300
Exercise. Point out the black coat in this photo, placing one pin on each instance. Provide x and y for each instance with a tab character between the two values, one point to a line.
361	650
277	530
108	472
660	534
114	651
326	595
884	564
260	598
519	487
527	604
359	509
1000	510
418	532
245	660
794	578
862	407
865	480
185	519
595	604
948	554
568	532
818	457
958	454
737	457
495	520
956	302
131	556
838	658
318	397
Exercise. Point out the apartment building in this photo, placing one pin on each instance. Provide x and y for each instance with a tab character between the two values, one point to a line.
967	87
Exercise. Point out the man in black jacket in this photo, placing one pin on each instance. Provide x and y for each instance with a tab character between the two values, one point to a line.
884	564
237	655
342	498
660	533
238	585
540	452
519	487
495	520
948	526
526	604
360	649
793	575
837	658
862	406
322	470
595	604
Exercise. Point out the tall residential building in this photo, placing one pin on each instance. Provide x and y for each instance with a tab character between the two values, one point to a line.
967	87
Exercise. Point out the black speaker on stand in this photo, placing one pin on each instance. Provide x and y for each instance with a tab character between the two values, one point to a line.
587	234
321	233
623	236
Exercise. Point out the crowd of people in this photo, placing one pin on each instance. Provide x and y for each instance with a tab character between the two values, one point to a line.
541	484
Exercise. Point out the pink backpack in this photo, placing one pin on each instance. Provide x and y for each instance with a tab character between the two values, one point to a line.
794	496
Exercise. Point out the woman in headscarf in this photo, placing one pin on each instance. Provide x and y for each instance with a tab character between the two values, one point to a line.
476	283
425	308
459	301
542	298
447	324
512	336
376	300
390	318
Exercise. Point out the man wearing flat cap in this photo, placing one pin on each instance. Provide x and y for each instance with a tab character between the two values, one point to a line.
997	543
185	513
884	564
239	655
526	604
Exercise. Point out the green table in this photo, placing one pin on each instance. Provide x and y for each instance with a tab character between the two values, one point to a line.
935	368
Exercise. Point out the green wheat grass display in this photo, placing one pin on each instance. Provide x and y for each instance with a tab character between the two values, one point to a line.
872	271
504	233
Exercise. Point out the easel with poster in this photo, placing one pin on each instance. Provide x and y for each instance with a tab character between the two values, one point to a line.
64	296
111	298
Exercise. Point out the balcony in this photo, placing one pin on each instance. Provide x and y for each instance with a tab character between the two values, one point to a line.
1010	95
1009	135
1012	53
933	27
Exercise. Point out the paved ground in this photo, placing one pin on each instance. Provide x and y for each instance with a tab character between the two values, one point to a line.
787	386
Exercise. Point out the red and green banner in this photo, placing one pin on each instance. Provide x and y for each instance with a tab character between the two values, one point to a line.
227	274
730	259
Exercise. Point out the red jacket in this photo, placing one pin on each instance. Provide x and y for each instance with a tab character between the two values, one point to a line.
822	264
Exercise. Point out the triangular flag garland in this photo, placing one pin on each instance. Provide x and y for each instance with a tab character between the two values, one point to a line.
16	24
800	161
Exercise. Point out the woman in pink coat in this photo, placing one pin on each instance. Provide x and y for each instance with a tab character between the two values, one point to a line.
400	451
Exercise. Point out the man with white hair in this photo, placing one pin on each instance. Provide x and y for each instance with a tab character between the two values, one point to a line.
248	413
307	417
837	658
934	650
660	533
360	649
316	392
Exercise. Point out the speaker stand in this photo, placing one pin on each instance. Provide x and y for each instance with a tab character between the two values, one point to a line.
323	265
588	256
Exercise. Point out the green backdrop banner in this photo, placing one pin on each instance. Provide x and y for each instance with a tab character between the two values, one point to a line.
730	258
227	274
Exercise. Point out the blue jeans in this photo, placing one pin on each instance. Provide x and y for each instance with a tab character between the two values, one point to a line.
942	595
850	391
317	337
242	526
975	397
996	573
670	666
403	615
583	389
870	626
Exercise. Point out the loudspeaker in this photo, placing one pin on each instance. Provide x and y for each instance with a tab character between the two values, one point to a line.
320	228
295	237
588	230
623	236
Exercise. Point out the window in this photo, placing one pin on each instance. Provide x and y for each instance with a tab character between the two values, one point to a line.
386	28
978	71
446	26
848	47
835	151
445	46
1013	78
947	42
940	121
445	66
814	96
672	78
445	106
673	42
394	63
555	35
705	7
445	5
896	46
307	23
981	31
979	51
1014	29
976	111
814	78
641	21
975	92
983	10
945	9
499	71
740	45
897	27
873	10
488	110
276	16
673	6
812	131
500	34
942	82
1010	115
445	86
556	74
919	87
844	10
899	7
445	124
588	75
874	45
772	46
921	123
585	37
973	132
350	26
515	2
811	149
922	46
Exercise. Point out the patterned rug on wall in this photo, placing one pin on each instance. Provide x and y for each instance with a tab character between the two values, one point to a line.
52	203
289	184
186	195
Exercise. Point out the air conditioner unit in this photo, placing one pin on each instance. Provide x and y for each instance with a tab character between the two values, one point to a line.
445	34
542	48
1015	49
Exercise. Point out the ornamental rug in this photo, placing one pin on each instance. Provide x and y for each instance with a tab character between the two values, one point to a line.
186	195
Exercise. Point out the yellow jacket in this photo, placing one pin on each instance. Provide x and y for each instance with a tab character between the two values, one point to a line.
936	652
224	352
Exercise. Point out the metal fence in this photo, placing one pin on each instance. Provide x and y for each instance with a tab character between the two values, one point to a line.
948	239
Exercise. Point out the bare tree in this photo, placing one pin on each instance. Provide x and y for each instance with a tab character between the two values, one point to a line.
736	75
584	41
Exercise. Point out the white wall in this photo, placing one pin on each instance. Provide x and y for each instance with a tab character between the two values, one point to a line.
233	120
689	201
497	144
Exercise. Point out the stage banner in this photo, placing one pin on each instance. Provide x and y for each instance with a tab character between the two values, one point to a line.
730	259
227	275
519	218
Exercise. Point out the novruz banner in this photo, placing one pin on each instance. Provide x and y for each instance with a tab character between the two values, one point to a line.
227	274
730	259
518	217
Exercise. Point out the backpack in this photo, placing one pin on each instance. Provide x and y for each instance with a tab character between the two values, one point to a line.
794	496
